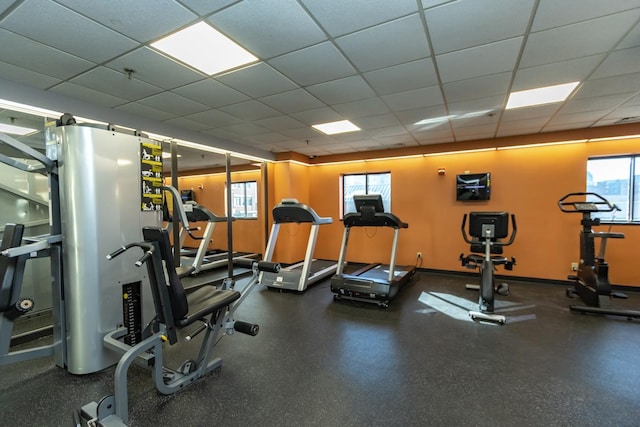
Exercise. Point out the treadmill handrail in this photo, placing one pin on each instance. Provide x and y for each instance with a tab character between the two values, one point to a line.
177	200
290	210
379	219
46	164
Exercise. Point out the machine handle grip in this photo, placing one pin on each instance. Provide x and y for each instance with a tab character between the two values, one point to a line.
148	254
464	232
271	267
244	263
117	252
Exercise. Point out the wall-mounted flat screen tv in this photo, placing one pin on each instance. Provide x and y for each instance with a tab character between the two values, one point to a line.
473	186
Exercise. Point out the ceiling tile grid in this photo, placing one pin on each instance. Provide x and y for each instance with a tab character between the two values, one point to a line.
384	65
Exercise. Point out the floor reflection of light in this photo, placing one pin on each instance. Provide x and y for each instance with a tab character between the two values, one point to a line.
459	308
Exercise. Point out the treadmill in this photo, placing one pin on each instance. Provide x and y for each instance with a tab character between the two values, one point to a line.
298	276
374	283
204	259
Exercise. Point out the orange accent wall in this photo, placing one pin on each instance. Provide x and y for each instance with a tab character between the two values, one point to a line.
248	234
527	182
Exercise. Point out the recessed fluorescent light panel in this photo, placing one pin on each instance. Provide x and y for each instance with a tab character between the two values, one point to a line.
15	130
332	128
204	48
539	96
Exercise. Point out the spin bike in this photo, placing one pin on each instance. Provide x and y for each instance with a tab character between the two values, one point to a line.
486	230
592	281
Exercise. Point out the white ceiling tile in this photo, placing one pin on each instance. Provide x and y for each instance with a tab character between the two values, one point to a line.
26	77
490	103
89	95
245	129
631	40
173	103
343	90
577	40
268	138
609	86
474	132
553	13
409	117
187	124
257	80
250	110
205	7
279	123
579	105
484	121
24	53
211	92
361	108
425	97
566	126
403	77
467	23
573	70
387	44
109	81
319	115
527	113
299	133
633	101
480	87
97	43
315	64
214	118
152	67
434	136
292	101
268	28
623	112
145	111
377	121
592	116
340	17
528	124
522	130
142	20
624	61
486	59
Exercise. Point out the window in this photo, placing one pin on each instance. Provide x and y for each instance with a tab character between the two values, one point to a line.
368	183
244	196
617	179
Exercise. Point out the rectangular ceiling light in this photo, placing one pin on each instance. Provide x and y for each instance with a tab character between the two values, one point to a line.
15	130
204	48
539	96
336	127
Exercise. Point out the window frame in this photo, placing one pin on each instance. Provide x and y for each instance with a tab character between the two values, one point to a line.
633	211
366	175
244	197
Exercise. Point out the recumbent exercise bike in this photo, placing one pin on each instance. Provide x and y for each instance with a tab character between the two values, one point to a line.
486	229
592	281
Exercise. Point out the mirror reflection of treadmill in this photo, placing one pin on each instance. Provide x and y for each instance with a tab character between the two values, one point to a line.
375	283
202	258
298	276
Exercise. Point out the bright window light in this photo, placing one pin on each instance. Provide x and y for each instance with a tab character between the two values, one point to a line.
336	127
15	130
204	48
168	155
539	96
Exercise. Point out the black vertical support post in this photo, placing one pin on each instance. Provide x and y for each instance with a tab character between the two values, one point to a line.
229	218
176	215
265	201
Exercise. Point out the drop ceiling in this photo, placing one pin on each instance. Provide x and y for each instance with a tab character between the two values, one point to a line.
384	65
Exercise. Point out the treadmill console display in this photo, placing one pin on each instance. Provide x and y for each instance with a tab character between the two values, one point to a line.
373	200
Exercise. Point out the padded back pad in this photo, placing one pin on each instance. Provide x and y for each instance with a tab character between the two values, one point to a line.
12	238
179	304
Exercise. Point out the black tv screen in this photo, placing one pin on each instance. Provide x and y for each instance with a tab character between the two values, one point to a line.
187	196
473	186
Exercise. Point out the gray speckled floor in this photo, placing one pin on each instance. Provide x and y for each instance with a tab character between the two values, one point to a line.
317	362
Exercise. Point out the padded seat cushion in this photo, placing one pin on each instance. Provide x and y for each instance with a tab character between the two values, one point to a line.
205	301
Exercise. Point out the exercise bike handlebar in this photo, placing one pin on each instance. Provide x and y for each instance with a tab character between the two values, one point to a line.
570	205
